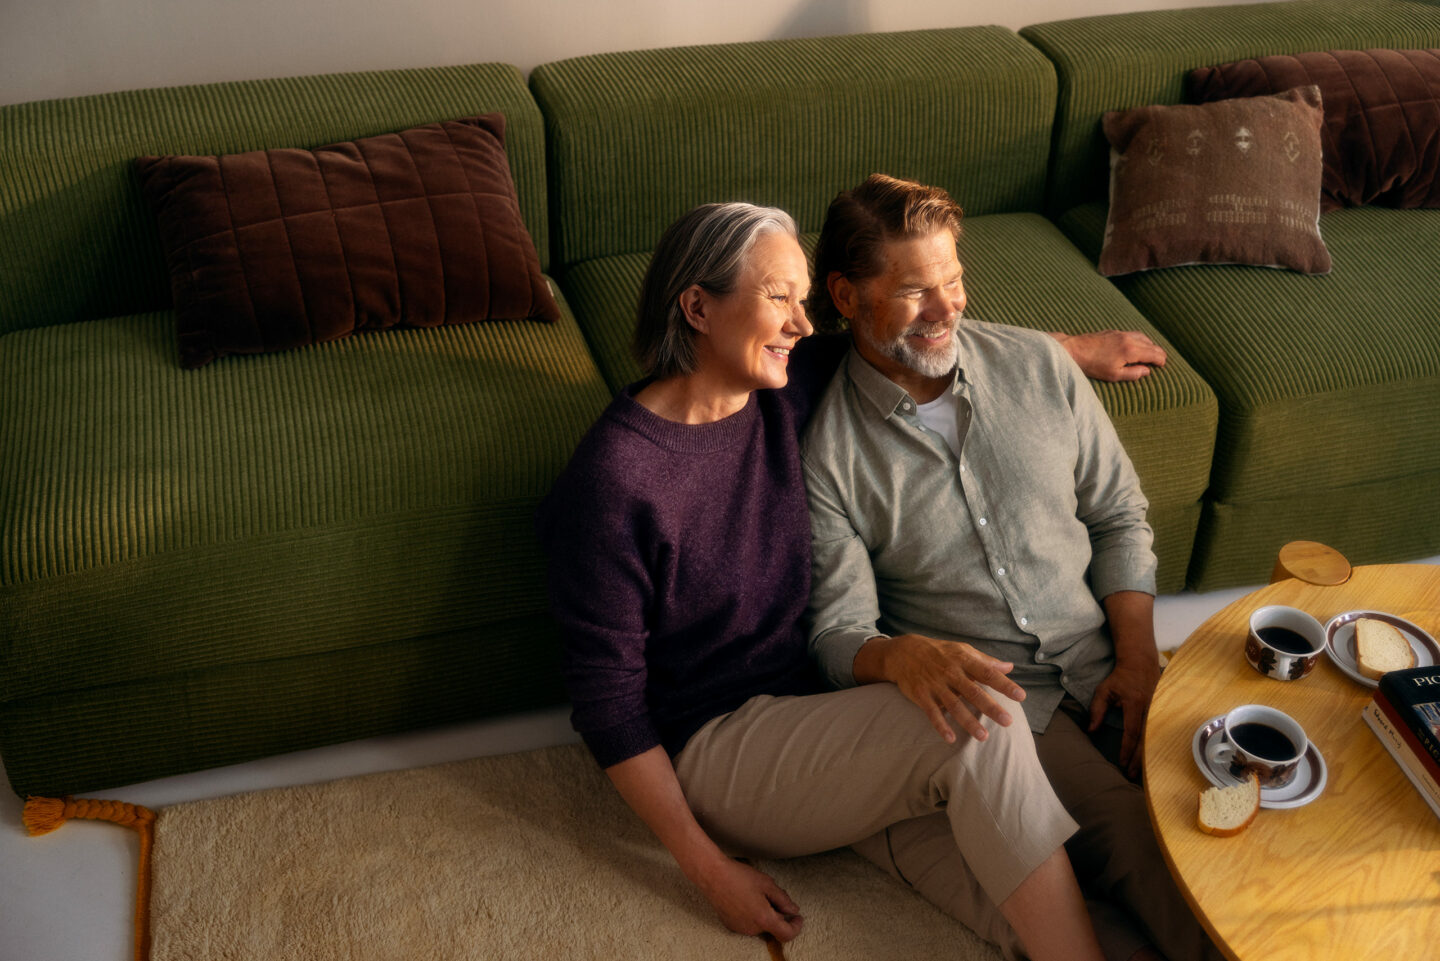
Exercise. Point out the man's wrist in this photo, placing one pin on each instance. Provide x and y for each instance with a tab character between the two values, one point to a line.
869	663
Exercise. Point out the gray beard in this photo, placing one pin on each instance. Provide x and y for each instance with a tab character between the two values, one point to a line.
926	363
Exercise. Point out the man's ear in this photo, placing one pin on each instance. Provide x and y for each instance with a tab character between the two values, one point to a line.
843	293
693	302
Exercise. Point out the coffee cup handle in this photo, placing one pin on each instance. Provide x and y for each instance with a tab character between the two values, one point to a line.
1224	756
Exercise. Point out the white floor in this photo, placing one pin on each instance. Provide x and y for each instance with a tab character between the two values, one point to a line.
68	896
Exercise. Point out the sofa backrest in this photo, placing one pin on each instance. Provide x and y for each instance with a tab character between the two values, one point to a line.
637	138
76	239
1126	60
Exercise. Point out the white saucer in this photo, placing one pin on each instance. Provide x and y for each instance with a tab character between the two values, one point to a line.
1310	773
1340	642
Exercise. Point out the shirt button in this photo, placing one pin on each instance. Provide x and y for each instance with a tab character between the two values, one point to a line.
1024	621
1001	571
983	522
905	406
1040	656
962	468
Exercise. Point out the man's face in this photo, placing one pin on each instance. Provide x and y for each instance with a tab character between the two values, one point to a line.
904	318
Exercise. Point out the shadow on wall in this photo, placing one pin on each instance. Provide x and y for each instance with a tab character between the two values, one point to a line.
824	18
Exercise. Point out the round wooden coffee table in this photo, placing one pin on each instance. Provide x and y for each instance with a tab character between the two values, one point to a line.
1354	873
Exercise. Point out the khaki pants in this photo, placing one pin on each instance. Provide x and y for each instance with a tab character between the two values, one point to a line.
962	824
782	777
1132	898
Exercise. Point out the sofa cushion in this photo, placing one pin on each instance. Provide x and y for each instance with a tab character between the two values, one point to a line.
1328	386
1019	269
638	137
80	242
1236	181
275	249
371	490
1381	138
1117	61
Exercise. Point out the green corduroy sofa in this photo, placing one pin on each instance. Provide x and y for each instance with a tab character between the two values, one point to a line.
1329	387
199	567
276	551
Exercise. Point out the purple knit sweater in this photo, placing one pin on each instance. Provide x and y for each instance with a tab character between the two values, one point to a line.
680	567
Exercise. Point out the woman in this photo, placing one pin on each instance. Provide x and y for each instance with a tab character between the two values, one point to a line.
679	545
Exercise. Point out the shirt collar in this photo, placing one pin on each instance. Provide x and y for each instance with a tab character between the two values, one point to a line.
882	393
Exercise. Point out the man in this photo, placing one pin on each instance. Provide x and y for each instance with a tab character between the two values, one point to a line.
976	522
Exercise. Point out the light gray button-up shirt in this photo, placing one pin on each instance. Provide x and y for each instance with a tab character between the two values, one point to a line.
1008	547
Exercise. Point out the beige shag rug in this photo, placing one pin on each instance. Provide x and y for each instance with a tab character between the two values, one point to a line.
529	855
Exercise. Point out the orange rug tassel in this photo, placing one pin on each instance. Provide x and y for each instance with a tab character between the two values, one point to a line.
43	815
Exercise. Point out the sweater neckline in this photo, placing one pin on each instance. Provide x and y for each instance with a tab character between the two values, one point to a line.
687	438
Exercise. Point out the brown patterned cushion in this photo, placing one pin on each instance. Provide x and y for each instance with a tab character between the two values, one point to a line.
276	249
1381	139
1237	181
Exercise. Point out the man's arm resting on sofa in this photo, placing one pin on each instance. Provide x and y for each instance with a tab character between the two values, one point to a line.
1115	355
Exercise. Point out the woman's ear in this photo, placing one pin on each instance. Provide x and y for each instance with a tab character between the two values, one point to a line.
843	293
693	302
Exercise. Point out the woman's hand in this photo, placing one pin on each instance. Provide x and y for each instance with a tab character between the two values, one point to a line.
748	901
945	678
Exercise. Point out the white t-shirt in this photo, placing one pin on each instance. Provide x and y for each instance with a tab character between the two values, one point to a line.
939	416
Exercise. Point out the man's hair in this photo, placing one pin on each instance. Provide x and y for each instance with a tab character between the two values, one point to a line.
860	222
708	246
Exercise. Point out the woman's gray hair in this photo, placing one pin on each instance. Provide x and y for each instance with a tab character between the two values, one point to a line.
707	246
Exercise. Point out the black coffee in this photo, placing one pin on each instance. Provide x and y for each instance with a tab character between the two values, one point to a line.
1284	639
1263	740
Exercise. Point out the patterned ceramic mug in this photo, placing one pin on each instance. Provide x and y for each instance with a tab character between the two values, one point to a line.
1264	740
1284	642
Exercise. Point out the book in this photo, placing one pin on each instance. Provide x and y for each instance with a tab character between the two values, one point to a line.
1414	694
1408	737
1405	758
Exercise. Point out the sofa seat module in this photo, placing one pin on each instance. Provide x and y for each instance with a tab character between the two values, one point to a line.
206	566
639	137
274	551
1329	386
1329	392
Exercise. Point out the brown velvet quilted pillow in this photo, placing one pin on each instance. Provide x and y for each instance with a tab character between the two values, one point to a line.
1381	139
276	249
1233	182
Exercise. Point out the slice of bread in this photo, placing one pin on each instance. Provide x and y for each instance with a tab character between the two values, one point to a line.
1380	647
1226	811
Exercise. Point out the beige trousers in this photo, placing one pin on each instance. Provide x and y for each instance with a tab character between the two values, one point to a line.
1132	898
787	776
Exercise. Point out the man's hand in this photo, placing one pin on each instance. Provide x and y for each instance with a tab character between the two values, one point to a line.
1116	355
942	677
1131	685
748	901
1131	616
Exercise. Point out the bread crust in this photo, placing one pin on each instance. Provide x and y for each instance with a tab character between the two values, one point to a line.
1252	787
1386	635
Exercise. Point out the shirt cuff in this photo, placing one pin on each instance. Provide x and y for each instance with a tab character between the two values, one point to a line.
1122	571
621	742
835	652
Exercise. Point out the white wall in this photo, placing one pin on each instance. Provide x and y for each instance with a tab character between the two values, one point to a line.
61	48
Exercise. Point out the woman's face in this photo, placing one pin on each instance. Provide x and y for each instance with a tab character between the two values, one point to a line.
748	332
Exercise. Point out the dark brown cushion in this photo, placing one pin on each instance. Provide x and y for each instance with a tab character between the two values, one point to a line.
276	249
1237	181
1381	139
